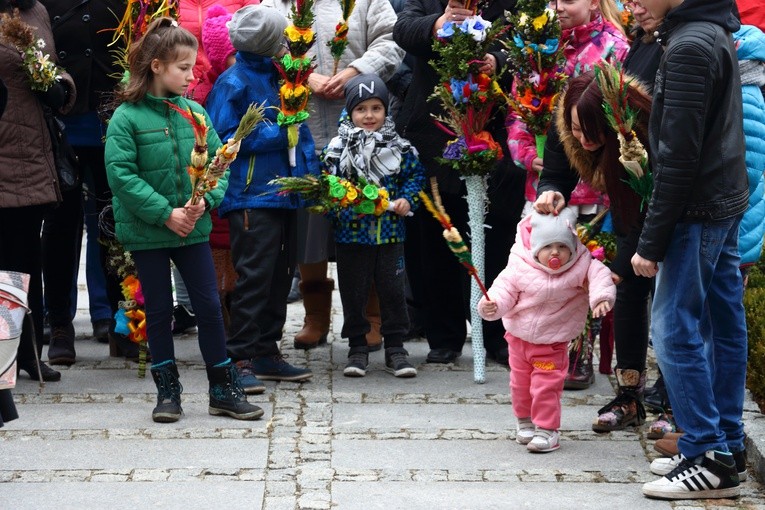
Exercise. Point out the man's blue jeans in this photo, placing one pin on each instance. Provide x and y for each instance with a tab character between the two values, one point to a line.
699	335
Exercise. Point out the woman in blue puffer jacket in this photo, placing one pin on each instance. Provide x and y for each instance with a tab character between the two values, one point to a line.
750	42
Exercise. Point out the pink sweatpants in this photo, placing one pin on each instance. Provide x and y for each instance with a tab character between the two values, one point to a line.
537	372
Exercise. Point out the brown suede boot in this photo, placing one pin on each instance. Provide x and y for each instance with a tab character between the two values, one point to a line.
374	337
317	301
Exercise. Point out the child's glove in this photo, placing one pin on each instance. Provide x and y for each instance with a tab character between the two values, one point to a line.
487	308
601	309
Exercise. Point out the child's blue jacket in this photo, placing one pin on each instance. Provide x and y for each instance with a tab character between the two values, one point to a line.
263	154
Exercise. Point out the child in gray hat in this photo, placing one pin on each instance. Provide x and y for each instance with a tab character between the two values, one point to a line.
542	297
370	247
262	224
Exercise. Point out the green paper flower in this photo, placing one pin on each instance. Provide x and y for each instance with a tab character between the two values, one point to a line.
371	191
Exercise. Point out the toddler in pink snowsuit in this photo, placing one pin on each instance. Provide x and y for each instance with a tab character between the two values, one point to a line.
542	297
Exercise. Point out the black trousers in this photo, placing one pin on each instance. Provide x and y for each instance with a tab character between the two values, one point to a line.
263	245
196	266
61	242
20	250
358	266
440	285
631	322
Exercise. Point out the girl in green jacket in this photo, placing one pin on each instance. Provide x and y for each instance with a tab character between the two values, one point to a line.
148	148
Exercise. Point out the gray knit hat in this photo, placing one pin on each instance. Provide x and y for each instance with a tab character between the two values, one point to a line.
363	87
547	229
257	29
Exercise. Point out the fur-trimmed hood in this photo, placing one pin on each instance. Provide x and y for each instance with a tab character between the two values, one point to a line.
586	163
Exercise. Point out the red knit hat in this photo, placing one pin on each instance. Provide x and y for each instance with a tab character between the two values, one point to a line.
215	38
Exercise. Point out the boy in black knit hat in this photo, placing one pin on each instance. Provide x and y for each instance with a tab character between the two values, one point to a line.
370	243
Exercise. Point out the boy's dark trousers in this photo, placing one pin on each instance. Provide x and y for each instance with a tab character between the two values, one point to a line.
263	252
359	265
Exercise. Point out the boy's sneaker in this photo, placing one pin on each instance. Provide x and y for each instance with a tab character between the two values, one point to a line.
275	368
715	477
247	380
358	359
665	465
183	319
544	441
396	362
524	431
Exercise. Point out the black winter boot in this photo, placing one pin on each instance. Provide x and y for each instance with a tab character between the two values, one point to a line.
626	410
226	394
169	391
61	348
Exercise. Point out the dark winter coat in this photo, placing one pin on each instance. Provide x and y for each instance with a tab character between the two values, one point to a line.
696	129
26	156
82	30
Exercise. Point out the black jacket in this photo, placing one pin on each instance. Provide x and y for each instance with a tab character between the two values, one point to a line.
696	128
83	30
413	31
642	61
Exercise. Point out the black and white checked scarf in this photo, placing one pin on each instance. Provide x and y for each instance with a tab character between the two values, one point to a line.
371	154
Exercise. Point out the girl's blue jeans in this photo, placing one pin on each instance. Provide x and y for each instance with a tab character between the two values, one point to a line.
699	335
195	264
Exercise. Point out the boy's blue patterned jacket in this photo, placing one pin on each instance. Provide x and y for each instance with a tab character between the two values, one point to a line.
389	227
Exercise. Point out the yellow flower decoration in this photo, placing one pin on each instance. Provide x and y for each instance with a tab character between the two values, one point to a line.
540	21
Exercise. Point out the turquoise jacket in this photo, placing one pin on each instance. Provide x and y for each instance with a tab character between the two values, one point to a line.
148	149
750	42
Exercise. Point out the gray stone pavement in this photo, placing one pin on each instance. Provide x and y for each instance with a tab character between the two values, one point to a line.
437	441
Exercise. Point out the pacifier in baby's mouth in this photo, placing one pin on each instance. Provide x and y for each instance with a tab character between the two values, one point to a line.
553	263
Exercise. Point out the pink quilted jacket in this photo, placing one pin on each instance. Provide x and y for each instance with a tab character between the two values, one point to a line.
543	306
585	45
191	16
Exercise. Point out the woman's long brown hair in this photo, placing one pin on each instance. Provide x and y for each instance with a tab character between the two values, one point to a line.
584	94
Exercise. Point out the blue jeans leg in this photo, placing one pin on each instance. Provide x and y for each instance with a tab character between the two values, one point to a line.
697	309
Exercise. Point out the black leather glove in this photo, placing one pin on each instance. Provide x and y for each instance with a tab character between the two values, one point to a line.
54	97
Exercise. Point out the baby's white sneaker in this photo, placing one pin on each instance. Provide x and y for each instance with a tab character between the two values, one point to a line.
544	441
524	431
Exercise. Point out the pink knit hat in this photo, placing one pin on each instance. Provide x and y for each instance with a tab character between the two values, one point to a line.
215	38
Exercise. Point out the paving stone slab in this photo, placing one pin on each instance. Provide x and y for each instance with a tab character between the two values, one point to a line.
132	496
125	415
349	418
489	496
136	454
399	454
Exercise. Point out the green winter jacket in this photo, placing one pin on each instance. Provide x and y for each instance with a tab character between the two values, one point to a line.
148	148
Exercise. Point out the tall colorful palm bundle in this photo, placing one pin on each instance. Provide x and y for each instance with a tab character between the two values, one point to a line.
294	69
469	99
339	42
204	176
537	57
467	95
621	118
138	15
